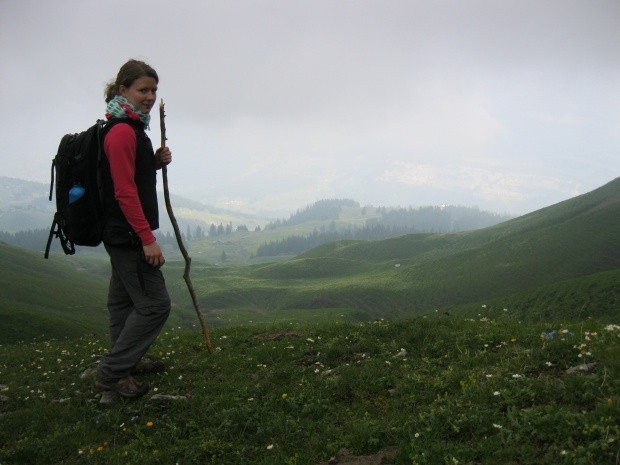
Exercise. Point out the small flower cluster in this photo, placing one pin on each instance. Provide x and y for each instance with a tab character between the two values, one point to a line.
92	450
583	348
613	329
560	333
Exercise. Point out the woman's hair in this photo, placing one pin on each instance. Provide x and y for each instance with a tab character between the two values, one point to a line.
126	76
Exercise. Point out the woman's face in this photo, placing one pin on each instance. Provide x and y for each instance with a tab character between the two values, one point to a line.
142	93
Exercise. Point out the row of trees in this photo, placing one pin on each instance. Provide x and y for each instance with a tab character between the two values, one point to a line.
323	210
33	239
200	232
449	218
36	239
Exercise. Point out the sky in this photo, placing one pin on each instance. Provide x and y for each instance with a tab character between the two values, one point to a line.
271	105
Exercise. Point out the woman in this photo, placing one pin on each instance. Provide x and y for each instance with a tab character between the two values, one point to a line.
138	300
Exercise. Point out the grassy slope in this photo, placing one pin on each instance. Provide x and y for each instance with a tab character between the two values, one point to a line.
569	241
481	391
47	298
64	296
592	296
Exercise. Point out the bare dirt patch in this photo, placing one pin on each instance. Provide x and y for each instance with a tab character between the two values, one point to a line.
384	457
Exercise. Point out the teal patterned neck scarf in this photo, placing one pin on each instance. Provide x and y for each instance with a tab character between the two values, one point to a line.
120	107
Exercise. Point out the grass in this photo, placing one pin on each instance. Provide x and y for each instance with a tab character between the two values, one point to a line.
488	389
47	297
447	379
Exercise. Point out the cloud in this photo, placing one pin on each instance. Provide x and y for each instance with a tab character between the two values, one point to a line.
481	183
564	119
279	103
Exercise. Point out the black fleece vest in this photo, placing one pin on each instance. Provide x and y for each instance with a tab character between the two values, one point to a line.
117	230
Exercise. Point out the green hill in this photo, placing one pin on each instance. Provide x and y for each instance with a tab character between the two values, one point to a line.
48	298
64	296
537	253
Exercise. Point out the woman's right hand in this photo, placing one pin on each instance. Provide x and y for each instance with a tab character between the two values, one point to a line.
153	255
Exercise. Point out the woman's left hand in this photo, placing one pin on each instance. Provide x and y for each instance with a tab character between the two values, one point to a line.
163	156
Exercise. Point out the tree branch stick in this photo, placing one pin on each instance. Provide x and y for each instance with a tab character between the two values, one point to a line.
177	233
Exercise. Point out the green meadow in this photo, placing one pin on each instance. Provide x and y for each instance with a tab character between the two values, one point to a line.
436	390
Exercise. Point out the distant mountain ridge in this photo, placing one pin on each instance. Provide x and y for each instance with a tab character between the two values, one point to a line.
442	218
20	193
26	214
25	205
345	219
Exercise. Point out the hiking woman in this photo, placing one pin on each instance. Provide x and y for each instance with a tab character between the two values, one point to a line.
138	301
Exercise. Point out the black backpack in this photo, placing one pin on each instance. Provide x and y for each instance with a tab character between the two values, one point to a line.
79	217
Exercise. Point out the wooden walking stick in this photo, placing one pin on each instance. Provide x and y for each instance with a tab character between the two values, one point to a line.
177	233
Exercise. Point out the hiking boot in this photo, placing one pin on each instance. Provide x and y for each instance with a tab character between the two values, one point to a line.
125	387
148	365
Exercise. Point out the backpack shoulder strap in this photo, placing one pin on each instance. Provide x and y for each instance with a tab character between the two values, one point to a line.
105	126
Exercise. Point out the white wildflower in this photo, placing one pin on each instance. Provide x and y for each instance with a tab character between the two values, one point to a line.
402	353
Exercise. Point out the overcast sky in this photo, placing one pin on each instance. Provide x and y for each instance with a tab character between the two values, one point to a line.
510	105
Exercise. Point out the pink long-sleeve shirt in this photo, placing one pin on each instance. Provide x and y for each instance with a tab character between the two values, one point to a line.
120	148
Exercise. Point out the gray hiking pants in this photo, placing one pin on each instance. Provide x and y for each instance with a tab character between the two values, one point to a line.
139	306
